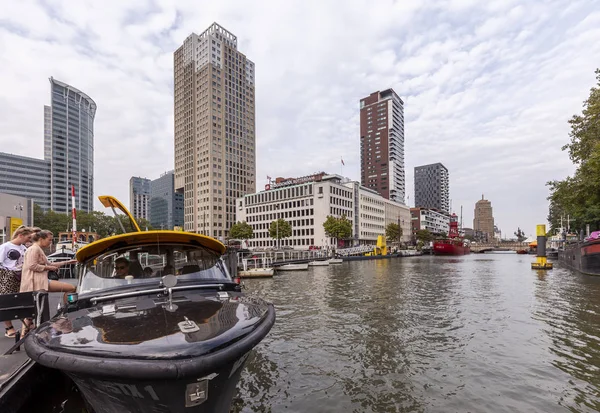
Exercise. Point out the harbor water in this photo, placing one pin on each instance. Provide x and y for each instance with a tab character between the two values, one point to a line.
477	333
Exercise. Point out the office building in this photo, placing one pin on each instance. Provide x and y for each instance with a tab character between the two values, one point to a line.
14	211
68	155
431	220
166	205
432	187
382	144
69	146
25	177
215	139
483	221
139	197
306	203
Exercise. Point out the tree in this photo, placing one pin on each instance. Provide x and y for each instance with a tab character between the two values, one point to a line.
393	232
338	228
241	230
424	236
520	235
577	196
280	229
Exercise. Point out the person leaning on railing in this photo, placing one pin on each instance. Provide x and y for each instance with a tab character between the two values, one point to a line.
35	271
11	263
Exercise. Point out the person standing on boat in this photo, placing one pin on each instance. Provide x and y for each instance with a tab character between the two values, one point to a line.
11	263
36	267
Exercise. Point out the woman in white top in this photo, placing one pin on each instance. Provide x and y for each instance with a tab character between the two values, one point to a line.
11	262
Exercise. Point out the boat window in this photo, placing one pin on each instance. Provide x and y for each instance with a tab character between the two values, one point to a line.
147	264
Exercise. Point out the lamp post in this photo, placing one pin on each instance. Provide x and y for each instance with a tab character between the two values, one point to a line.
19	207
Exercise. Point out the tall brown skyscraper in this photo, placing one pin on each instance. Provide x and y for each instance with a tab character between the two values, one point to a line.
215	142
382	144
483	220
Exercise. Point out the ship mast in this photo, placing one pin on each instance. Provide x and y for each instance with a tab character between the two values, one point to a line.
74	214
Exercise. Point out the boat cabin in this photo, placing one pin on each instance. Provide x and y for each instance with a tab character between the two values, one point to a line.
145	257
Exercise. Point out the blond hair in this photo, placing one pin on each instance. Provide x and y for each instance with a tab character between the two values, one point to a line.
22	230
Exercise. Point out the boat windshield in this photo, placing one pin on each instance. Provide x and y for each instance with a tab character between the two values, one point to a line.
147	264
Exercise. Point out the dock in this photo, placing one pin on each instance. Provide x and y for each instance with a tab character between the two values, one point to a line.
21	377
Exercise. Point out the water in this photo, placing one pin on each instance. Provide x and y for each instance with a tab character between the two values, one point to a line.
481	333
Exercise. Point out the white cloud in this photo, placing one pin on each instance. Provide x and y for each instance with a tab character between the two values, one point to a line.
488	87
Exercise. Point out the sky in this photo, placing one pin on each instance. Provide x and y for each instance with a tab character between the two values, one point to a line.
488	87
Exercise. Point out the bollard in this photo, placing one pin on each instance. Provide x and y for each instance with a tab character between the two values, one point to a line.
540	262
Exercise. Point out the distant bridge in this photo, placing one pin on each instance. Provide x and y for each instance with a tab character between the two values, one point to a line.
499	246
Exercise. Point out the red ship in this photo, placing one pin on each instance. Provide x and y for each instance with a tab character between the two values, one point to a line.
454	244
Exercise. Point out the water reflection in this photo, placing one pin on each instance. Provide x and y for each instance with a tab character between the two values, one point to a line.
475	333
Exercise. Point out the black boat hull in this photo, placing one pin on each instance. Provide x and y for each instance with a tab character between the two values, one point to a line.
583	257
211	393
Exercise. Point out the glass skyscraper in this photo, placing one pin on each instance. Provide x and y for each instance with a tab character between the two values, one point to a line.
69	146
166	205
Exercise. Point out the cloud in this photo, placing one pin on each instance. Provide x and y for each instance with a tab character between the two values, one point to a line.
488	87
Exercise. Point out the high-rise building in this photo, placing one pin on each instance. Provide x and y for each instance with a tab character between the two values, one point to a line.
139	197
382	144
69	146
68	155
166	205
483	221
432	187
215	142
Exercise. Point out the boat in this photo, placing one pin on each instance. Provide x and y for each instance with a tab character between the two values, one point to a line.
582	256
256	273
82	238
454	244
335	261
522	251
318	263
171	337
293	267
65	271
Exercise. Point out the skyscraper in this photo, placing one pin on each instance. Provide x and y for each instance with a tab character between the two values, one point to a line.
166	205
69	146
139	197
483	220
432	187
68	155
382	144
215	142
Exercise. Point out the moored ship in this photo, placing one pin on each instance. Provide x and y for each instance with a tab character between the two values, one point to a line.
582	256
454	244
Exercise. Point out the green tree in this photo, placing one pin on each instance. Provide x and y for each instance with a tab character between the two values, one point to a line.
338	228
241	230
520	235
393	232
578	196
280	229
424	235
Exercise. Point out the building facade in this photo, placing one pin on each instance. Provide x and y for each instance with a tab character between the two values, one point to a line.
306	203
139	197
483	221
429	219
14	211
166	205
69	146
25	177
215	142
432	187
382	144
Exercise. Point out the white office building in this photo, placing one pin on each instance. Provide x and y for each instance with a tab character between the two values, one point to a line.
307	201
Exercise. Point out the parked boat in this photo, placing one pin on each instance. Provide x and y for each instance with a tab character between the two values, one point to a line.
293	267
582	256
335	261
454	244
172	337
318	263
256	273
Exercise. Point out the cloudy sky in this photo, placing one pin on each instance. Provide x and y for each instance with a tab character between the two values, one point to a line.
488	86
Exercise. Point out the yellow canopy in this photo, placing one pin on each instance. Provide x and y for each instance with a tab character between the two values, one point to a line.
533	243
133	239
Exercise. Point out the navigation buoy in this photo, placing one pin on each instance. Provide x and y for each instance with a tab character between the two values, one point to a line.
541	262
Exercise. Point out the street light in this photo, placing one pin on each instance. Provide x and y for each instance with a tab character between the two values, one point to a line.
19	207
